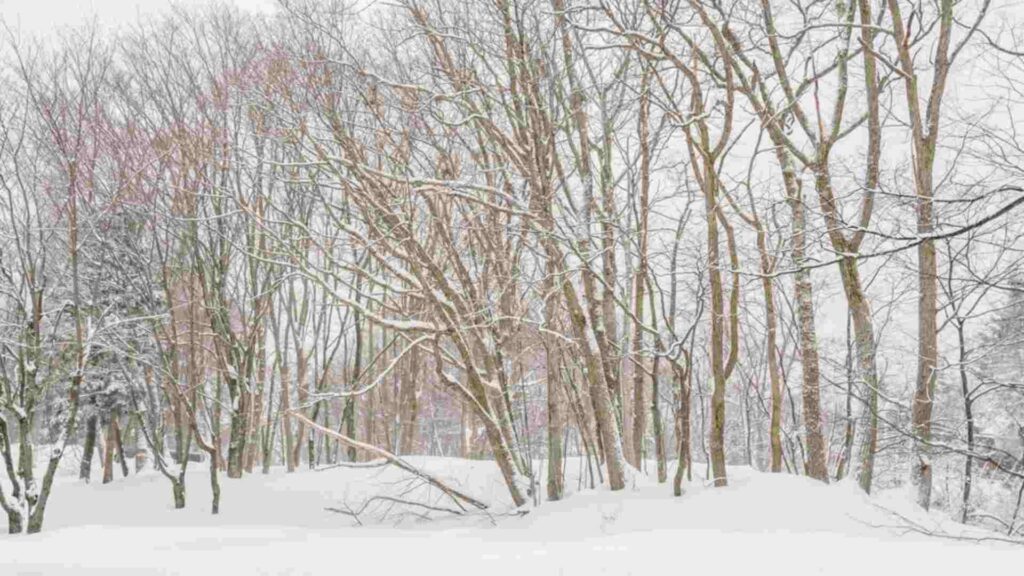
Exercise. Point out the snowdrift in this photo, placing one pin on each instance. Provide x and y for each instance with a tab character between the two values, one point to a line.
303	523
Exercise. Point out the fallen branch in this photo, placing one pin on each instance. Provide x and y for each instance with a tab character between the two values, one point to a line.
915	527
393	500
456	496
372	464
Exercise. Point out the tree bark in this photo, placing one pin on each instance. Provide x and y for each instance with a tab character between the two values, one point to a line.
968	420
88	447
816	461
640	406
555	393
108	452
409	404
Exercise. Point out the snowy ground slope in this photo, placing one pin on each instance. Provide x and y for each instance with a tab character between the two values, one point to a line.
277	524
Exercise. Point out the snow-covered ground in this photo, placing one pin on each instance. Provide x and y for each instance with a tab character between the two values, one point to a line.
278	524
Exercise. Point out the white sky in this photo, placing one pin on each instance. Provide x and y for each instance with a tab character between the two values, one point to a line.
43	16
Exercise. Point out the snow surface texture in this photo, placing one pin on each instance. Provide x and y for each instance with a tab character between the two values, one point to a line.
279	524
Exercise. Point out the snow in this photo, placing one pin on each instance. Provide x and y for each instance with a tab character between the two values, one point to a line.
277	524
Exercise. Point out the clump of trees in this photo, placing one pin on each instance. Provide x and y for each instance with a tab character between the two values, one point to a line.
520	230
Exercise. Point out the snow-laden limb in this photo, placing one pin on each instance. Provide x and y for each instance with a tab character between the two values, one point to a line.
376	381
458	497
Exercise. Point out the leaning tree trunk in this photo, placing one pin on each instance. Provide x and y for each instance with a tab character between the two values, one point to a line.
600	393
594	362
864	341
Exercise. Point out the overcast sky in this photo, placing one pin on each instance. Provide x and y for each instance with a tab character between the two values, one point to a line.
43	16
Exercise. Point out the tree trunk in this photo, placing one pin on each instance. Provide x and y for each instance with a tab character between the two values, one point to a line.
927	350
238	431
91	425
968	419
108	452
864	340
924	119
119	444
466	431
659	435
178	489
683	435
214	484
301	377
14	522
286	419
771	345
555	403
816	462
408	405
717	310
848	429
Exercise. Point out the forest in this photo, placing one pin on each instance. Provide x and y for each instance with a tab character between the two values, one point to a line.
583	243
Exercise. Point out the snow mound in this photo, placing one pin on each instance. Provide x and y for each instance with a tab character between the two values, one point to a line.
280	524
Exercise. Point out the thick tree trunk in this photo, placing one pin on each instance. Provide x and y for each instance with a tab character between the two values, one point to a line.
717	313
927	350
864	340
178	490
604	407
14	517
14	522
253	422
925	120
595	361
816	460
88	447
555	393
639	405
108	452
119	444
238	431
